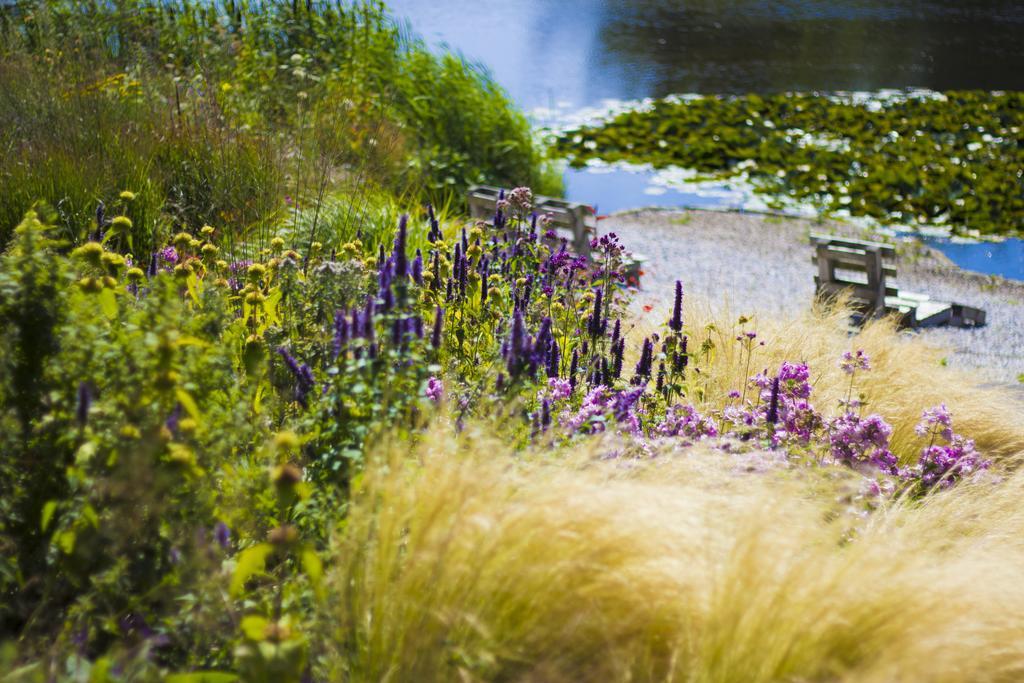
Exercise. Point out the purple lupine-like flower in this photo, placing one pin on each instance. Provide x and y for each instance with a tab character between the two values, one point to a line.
435	390
368	311
340	332
618	353
852	362
303	374
397	332
594	322
153	265
643	366
545	414
773	405
435	334
573	367
401	260
660	383
222	534
417	268
174	419
553	359
84	402
676	323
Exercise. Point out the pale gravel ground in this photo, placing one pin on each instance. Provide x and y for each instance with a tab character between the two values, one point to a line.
757	264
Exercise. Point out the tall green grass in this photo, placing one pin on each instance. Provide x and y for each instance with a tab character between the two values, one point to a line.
239	113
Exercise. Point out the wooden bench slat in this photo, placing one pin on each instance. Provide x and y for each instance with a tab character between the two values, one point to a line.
855	264
887	250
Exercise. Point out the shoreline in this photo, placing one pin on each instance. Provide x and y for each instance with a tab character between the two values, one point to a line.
761	262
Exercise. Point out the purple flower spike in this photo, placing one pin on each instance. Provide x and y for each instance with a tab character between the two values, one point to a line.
222	534
417	268
401	260
773	406
676	323
84	402
435	335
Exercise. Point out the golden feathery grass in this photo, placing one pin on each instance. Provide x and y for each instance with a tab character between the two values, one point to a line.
475	564
907	374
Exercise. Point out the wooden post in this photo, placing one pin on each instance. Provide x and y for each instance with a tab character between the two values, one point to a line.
876	278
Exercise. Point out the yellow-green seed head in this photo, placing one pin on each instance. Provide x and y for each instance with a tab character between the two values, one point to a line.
120	224
181	241
127	195
256	272
90	252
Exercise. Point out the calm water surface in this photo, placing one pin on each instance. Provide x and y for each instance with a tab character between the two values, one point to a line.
566	55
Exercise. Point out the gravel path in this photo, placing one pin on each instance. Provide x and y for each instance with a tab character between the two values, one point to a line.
761	264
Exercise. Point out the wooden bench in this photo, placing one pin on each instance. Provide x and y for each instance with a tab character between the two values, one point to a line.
574	221
863	272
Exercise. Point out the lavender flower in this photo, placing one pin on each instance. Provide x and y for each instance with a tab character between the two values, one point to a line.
304	381
435	389
851	362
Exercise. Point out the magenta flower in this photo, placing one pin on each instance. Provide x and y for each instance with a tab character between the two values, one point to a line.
852	362
435	389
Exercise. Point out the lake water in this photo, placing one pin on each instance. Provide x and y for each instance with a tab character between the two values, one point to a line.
557	57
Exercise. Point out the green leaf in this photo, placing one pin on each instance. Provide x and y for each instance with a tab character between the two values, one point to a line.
48	510
314	569
254	626
202	677
108	303
188	403
251	561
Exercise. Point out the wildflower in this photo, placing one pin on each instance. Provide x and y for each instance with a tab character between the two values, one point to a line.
84	402
773	406
304	381
852	362
435	389
401	260
435	335
521	199
340	332
855	440
685	421
169	255
127	195
676	323
222	534
643	366
937	419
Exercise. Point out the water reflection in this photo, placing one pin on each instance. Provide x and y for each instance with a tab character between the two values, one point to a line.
579	52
